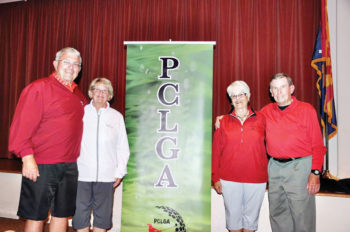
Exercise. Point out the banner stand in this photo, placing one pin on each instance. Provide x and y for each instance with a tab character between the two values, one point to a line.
168	116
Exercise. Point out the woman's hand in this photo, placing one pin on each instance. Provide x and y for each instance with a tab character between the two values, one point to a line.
218	188
117	182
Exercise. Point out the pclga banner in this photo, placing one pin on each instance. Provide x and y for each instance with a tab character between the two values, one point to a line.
169	124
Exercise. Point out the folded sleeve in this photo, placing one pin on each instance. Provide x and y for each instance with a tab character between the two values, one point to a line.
123	151
317	146
26	120
216	154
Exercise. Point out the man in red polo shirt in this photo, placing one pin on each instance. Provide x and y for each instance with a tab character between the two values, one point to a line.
46	133
294	143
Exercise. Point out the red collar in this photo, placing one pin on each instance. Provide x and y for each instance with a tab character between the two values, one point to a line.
70	86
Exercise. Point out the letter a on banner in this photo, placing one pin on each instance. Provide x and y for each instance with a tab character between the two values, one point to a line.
168	113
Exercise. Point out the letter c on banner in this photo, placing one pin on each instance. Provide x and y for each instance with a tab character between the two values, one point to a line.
161	94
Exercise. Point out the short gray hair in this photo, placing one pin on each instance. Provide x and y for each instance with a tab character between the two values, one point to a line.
68	50
104	81
282	75
241	85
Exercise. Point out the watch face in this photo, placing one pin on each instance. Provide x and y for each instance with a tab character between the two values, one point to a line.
316	172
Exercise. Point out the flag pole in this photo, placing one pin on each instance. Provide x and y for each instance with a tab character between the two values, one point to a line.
326	174
327	144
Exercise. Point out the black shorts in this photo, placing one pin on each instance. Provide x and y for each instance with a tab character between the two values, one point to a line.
55	189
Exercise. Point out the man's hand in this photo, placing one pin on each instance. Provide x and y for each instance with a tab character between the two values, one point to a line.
218	187
117	182
313	185
217	121
30	168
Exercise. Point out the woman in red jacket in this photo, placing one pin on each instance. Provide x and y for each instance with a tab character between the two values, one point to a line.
239	161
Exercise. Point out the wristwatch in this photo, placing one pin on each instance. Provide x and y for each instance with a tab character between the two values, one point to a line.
316	172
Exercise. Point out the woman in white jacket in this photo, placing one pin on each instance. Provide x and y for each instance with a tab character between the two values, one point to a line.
103	159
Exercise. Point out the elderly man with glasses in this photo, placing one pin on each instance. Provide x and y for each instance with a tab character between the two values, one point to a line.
46	133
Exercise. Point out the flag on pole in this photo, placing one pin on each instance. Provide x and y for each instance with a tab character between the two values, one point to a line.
321	62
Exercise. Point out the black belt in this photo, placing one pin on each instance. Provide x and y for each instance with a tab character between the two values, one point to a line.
284	160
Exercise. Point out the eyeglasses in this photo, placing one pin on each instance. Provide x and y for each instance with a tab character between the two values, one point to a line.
103	91
238	95
67	63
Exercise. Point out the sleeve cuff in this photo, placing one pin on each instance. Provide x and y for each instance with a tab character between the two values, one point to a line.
120	174
215	179
25	152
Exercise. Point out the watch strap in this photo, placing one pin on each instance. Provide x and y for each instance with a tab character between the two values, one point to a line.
316	172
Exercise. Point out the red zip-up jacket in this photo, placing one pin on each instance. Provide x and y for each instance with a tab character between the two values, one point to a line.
238	151
48	122
294	132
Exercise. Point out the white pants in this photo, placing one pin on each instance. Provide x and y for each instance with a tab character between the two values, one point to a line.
242	204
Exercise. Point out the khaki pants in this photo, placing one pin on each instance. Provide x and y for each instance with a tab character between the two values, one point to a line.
292	209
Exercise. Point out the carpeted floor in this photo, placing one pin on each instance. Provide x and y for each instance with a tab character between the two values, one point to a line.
17	225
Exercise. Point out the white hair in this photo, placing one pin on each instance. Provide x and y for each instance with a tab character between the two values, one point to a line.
68	50
237	86
101	80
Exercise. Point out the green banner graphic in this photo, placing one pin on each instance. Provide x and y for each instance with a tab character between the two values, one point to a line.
169	125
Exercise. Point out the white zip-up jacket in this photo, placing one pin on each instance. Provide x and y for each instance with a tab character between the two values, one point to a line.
104	152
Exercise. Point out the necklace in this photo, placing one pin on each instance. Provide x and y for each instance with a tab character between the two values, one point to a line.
242	118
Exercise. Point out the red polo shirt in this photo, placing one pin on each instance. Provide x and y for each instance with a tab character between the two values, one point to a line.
48	122
294	132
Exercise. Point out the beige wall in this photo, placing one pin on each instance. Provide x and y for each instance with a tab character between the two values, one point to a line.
339	149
